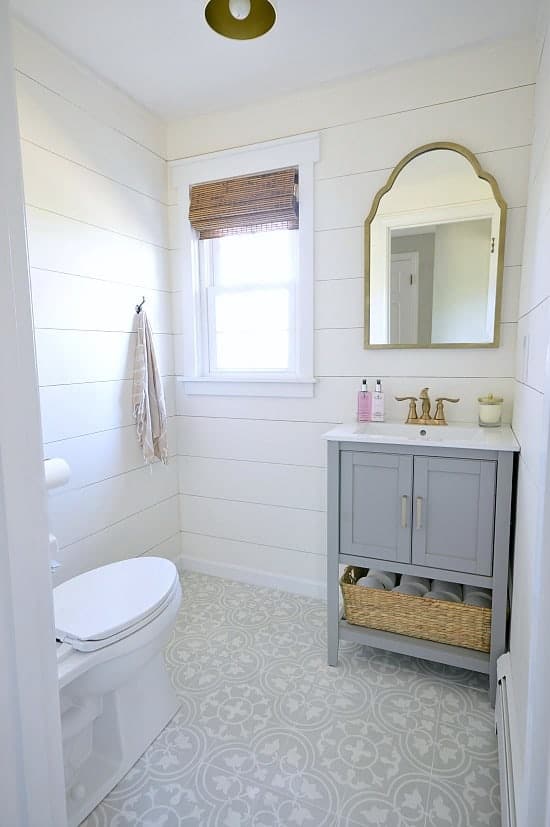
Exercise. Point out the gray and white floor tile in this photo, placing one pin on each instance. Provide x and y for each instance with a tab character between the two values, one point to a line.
268	735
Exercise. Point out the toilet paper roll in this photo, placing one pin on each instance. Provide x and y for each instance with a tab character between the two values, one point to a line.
454	589
481	600
387	578
469	591
450	598
371	582
414	589
57	472
412	579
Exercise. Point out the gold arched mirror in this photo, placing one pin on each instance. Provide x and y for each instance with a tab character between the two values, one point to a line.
434	253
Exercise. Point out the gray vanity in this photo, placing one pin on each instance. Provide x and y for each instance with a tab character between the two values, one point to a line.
432	501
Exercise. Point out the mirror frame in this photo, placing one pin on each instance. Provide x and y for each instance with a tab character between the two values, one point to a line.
481	173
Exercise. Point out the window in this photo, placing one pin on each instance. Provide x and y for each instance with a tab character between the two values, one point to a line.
245	259
248	292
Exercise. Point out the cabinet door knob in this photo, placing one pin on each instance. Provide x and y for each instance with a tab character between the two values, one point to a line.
404	511
419	505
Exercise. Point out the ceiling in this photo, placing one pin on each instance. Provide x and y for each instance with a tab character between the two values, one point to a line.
162	53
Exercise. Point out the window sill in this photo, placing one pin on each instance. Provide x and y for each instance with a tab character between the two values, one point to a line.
210	386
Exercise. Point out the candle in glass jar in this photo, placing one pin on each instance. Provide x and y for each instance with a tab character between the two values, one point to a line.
490	411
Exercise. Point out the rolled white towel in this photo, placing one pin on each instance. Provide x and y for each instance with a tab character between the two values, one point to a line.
481	600
414	589
471	590
412	579
454	589
370	582
388	578
437	595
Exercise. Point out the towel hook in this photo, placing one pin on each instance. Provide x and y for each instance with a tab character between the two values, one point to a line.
140	305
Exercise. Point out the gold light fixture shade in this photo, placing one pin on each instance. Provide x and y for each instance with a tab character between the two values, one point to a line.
258	22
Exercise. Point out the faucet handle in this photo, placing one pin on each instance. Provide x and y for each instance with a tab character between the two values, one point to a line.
412	415
439	418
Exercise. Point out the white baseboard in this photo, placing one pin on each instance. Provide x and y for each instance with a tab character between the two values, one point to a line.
283	582
506	726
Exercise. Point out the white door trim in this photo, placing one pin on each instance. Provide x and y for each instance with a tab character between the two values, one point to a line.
32	789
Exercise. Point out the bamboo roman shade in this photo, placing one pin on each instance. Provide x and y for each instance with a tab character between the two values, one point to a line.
252	203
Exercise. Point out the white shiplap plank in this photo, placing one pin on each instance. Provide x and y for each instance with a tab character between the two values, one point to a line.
65	245
70	411
66	302
170	549
340	352
286	443
66	356
54	184
533	346
260	524
264	565
528	412
54	123
339	253
78	513
96	457
129	538
482	124
254	482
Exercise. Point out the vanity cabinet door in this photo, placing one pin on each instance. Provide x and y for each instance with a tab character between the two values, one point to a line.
454	514
375	512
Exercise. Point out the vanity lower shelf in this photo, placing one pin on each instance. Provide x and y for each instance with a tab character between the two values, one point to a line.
416	647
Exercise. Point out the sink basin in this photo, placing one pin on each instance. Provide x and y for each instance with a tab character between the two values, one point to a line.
463	435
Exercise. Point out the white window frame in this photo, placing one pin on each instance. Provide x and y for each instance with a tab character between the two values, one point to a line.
191	359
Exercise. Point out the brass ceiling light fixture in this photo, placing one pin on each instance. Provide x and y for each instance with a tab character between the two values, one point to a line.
240	19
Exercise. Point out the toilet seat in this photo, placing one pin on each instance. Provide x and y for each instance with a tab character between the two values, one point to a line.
102	606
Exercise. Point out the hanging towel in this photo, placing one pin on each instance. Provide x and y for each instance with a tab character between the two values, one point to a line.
148	396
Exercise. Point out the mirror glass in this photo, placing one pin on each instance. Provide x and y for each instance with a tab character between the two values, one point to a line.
434	247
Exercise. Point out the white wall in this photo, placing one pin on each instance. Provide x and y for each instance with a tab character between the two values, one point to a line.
253	470
461	281
95	191
530	612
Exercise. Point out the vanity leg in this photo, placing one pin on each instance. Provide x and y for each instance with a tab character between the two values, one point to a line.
333	547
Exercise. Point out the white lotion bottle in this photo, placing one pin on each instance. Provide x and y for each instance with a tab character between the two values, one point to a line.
377	413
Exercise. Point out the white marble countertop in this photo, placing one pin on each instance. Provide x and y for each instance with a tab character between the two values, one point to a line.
459	435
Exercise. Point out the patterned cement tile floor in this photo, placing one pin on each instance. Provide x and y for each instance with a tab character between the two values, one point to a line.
268	734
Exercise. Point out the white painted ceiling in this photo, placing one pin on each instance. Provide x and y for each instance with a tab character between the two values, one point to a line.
163	54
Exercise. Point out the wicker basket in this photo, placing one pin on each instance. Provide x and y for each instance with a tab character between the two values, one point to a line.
421	617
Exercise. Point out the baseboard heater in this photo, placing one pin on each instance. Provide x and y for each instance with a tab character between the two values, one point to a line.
504	722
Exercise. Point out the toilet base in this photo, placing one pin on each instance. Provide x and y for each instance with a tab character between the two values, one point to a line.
104	735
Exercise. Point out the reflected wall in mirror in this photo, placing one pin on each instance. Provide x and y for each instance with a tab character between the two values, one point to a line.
434	249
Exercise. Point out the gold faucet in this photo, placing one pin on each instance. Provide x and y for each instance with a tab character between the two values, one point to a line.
425	417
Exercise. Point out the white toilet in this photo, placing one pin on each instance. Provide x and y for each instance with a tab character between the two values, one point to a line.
112	625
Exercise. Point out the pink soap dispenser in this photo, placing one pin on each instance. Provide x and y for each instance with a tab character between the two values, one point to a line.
364	403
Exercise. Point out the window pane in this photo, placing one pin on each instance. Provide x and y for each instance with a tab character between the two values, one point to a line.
245	352
255	258
252	310
251	329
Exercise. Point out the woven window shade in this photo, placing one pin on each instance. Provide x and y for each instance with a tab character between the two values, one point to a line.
252	203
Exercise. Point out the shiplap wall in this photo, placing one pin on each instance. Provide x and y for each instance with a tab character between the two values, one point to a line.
95	188
529	635
252	471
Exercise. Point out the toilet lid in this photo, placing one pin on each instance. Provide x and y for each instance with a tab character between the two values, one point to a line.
106	601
